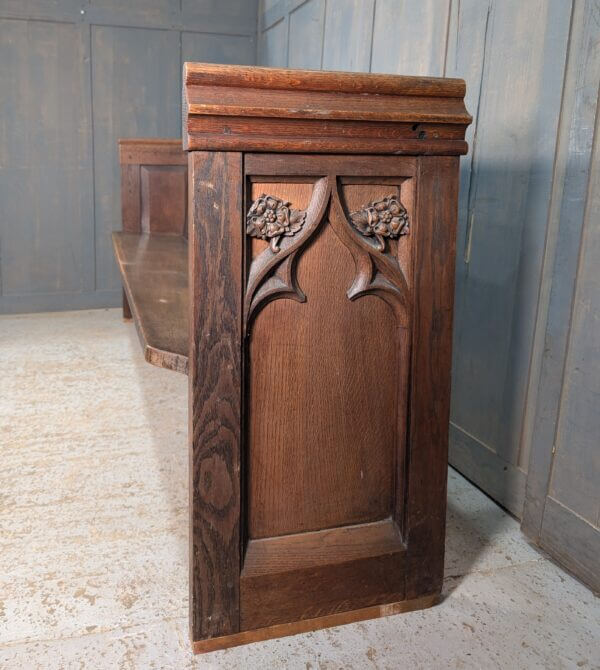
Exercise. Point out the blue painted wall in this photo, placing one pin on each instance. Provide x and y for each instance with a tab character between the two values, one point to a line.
76	75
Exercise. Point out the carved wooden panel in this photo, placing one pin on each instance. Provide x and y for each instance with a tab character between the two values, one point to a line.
328	353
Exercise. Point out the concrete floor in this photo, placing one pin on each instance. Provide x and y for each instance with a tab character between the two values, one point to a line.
93	534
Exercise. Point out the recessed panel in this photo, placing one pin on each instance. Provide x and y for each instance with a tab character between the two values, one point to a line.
324	379
164	199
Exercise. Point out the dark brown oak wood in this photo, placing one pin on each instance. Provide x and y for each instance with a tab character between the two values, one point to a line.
153	192
151	151
267	109
215	308
321	277
308	575
240	76
297	165
327	378
338	470
154	270
307	625
436	215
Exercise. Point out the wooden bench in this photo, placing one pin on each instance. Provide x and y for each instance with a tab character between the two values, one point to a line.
152	248
318	280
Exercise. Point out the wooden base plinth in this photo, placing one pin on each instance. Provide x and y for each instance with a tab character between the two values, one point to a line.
307	625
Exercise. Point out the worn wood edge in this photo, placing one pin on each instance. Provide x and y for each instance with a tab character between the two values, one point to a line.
369	540
308	625
155	142
352	113
152	151
214	142
160	358
166	359
212	74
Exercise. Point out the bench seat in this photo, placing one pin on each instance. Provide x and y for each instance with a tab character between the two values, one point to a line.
155	279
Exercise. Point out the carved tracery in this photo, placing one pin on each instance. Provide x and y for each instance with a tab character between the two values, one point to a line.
363	232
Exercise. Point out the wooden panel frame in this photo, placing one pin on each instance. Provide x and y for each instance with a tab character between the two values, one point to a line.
215	260
275	109
220	572
133	154
436	220
422	520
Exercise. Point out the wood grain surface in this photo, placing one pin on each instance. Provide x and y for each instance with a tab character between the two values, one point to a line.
215	266
436	213
154	271
307	625
212	74
164	199
320	438
266	109
306	575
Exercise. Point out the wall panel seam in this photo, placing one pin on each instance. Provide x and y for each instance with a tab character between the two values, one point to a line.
547	269
576	285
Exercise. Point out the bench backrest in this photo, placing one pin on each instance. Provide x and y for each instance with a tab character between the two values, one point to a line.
153	186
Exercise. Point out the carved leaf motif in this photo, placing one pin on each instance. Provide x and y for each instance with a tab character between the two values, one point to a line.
272	275
381	219
376	273
270	218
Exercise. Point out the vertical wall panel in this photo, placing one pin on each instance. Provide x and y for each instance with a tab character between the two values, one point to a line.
306	35
562	509
498	282
410	37
274	44
136	75
348	35
577	462
59	176
571	521
220	16
46	214
205	48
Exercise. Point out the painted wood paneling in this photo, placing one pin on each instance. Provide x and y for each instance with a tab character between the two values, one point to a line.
136	75
46	210
410	37
76	75
347	35
499	277
205	48
575	480
274	44
306	35
230	17
562	506
566	226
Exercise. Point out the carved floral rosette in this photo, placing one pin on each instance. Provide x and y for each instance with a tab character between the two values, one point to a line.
271	218
381	219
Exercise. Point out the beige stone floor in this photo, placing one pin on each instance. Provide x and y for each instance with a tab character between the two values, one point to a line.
93	534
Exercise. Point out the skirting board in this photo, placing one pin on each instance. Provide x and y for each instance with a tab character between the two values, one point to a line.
307	625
